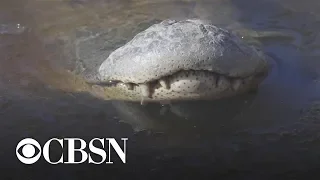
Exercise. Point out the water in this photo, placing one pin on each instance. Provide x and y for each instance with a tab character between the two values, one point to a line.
6	29
271	133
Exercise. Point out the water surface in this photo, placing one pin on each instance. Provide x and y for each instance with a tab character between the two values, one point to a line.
271	133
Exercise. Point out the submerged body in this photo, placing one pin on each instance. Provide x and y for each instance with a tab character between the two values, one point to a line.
182	60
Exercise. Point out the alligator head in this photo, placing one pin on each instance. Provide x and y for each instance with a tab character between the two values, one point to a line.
182	60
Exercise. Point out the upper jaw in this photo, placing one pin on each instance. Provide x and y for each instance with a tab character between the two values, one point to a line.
103	77
131	78
151	73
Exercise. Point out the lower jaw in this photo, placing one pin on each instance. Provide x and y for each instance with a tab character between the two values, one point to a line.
191	96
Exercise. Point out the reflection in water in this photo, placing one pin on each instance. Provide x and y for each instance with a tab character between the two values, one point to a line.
184	117
272	131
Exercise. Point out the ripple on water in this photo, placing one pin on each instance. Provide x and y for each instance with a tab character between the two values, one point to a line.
12	29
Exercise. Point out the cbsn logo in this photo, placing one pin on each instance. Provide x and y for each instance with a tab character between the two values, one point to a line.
27	148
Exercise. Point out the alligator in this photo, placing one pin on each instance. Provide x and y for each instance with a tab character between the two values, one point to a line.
189	59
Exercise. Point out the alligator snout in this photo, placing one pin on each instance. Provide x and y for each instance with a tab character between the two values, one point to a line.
183	60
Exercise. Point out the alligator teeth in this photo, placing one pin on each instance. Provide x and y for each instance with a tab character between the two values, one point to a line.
217	80
142	102
222	80
236	84
165	102
164	83
129	86
145	92
248	79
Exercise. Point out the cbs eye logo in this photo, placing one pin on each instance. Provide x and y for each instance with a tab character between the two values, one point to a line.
28	151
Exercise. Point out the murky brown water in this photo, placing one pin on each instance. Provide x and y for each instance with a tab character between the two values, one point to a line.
272	133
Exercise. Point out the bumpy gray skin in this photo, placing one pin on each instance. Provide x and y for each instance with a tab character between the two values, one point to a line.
172	55
171	46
